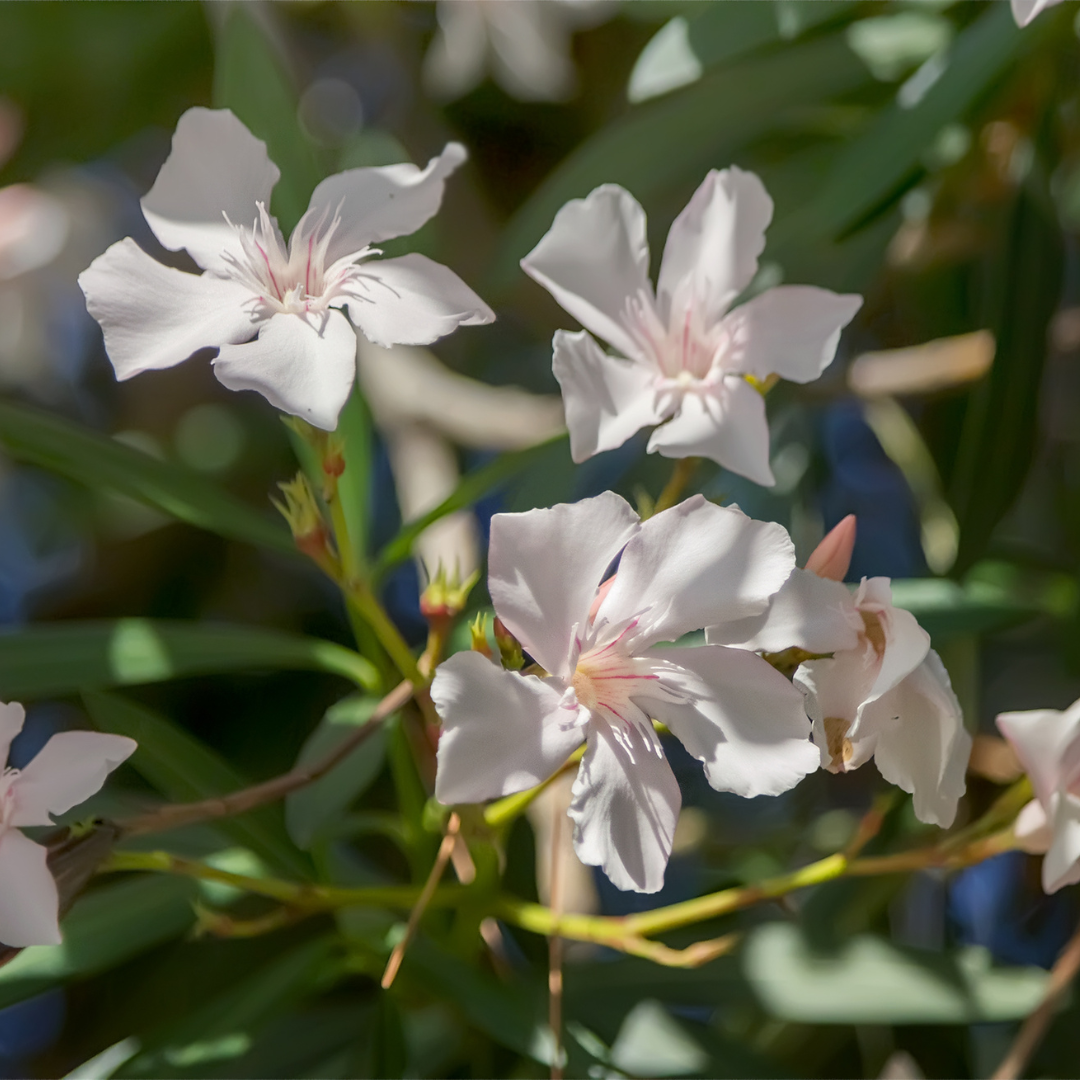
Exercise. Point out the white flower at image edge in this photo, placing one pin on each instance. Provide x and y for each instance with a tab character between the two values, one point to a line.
1047	742
211	199
1026	11
685	356
606	680
70	768
884	693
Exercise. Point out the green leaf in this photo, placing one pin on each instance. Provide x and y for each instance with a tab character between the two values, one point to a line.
997	441
472	487
672	141
224	1027
310	810
184	769
52	659
250	79
868	980
37	438
873	170
107	926
947	610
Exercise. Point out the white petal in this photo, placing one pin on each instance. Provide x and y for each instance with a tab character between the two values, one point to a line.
154	316
726	424
545	566
625	808
12	718
383	202
303	365
70	768
216	167
1061	864
906	642
792	331
808	612
413	301
1032	829
695	565
455	59
1024	11
922	745
501	731
712	249
1040	738
595	259
29	903
607	399
836	689
744	721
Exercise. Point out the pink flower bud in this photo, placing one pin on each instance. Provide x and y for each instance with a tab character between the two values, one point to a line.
832	557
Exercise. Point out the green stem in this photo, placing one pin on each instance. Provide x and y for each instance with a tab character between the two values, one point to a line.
506	809
680	476
363	600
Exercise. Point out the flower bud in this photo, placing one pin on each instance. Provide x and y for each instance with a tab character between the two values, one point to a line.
302	512
478	635
513	658
832	557
445	597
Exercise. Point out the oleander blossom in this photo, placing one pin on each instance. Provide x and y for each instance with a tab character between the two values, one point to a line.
686	360
883	693
1047	742
605	679
275	311
70	768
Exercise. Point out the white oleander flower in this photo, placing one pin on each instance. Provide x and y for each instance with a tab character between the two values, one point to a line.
1047	742
606	680
70	768
687	361
274	310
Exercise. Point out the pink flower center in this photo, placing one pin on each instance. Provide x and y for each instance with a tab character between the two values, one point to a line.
296	278
606	680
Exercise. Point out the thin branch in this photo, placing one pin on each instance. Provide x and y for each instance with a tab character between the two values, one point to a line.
250	798
1034	1027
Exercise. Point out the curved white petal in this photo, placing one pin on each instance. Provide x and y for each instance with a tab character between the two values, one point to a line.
626	805
501	731
808	612
12	717
836	689
544	568
791	331
726	424
1040	738
712	249
303	365
70	768
1024	11
29	902
1061	864
154	317
383	202
412	301
1032	829
607	399
216	168
922	745
906	645
743	720
695	565
594	260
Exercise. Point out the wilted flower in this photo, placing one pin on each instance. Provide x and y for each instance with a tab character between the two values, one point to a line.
211	199
883	693
1048	745
68	770
605	680
685	355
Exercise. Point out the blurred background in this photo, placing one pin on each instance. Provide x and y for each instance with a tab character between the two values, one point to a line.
923	154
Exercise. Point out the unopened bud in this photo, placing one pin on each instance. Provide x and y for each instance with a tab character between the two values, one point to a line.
445	597
478	635
832	557
302	512
510	651
333	457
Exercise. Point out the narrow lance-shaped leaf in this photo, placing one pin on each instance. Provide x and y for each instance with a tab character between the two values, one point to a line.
184	769
52	659
38	438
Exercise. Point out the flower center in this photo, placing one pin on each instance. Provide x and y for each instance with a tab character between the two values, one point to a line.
607	678
686	350
294	278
